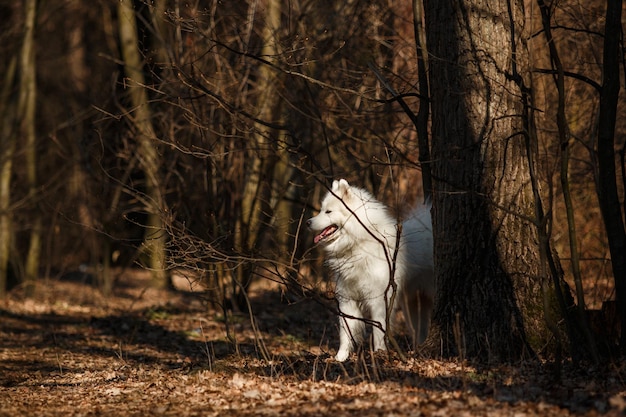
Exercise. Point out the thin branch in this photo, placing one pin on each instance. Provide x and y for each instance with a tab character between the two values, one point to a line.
570	74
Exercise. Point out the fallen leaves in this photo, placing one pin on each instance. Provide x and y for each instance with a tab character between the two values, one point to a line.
138	354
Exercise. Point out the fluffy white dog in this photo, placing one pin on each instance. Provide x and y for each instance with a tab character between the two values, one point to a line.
366	248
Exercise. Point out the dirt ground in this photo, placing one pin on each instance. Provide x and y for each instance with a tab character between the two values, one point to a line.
69	351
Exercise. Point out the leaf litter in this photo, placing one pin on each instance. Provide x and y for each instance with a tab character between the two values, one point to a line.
69	351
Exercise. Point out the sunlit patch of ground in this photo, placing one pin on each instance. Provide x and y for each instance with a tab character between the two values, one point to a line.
69	351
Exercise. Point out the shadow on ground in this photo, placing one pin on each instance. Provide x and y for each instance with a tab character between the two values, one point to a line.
288	340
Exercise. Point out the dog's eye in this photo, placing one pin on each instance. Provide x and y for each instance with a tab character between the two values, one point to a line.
328	211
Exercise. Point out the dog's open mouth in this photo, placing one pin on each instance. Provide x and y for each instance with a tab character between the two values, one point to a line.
324	234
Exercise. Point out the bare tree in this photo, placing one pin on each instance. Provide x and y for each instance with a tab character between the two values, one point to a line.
266	172
491	253
565	139
423	114
8	139
147	155
612	209
28	88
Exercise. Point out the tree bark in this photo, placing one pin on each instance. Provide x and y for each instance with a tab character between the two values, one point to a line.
28	102
607	183
7	139
487	257
424	102
564	137
268	173
155	236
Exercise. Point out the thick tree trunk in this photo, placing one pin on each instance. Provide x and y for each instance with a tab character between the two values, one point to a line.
487	258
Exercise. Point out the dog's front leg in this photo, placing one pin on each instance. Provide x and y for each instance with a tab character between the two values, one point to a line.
350	328
379	316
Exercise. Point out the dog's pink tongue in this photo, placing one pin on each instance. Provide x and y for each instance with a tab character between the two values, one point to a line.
324	233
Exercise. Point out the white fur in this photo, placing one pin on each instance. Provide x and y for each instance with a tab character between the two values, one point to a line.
361	252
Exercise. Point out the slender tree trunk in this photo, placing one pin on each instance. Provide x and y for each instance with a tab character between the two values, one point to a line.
564	142
424	110
267	174
158	12
28	88
155	237
79	186
257	193
607	183
487	258
7	147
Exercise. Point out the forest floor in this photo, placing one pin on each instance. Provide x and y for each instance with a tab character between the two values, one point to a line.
69	351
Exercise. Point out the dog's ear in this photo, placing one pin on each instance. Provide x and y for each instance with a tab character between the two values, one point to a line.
341	188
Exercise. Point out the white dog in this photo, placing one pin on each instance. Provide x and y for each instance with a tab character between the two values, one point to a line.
360	239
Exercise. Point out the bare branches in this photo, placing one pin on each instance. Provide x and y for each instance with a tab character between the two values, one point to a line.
571	74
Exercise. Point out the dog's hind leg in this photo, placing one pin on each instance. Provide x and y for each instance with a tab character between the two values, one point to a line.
425	308
417	307
350	328
410	310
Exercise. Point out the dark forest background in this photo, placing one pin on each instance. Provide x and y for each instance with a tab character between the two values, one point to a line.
202	152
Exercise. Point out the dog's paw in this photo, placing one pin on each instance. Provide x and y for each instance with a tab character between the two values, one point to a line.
342	355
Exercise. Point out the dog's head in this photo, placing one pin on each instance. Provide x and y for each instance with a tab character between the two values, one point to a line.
333	214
